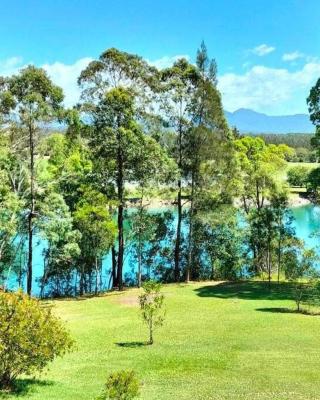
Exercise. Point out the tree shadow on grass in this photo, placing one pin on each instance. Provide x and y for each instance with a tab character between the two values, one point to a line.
248	290
288	311
132	345
283	310
23	387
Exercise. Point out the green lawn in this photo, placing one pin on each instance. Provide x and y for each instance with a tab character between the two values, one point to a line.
220	341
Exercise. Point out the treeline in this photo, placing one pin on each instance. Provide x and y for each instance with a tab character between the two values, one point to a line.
137	129
300	142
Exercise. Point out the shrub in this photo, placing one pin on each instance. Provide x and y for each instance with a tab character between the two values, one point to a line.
30	337
122	385
298	176
151	305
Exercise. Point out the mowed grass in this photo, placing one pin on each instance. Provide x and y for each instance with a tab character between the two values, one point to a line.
220	341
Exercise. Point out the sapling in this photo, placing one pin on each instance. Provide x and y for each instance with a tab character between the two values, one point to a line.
151	304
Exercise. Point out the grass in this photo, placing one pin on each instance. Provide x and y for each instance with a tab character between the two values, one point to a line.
220	342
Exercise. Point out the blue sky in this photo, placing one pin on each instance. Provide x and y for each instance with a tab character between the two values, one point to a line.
268	52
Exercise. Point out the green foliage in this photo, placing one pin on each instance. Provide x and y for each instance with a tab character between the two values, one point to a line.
151	305
298	176
293	140
300	270
93	220
55	225
30	337
122	385
259	163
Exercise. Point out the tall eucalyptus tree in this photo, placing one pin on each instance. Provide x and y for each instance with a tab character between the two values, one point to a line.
117	92
208	146
30	100
179	84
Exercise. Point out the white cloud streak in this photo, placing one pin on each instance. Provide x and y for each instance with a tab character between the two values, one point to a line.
295	55
262	50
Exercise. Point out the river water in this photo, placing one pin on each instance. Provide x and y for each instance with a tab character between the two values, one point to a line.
306	223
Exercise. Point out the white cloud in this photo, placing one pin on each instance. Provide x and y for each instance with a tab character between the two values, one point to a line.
65	76
292	56
271	90
167	61
262	50
10	65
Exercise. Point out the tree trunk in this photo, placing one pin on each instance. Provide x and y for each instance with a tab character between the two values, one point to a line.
269	266
140	243
178	237
97	276
151	332
32	211
139	261
178	234
120	213
114	267
190	250
279	255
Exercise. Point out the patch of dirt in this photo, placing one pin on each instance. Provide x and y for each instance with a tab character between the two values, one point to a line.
129	300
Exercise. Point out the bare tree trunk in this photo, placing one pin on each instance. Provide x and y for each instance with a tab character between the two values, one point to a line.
32	211
190	250
279	254
120	213
114	267
178	235
97	277
269	265
140	243
151	332
139	259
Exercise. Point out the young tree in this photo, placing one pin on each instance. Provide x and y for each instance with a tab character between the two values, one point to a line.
32	100
151	305
28	344
300	271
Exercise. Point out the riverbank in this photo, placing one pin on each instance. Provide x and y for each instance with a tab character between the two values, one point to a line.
296	200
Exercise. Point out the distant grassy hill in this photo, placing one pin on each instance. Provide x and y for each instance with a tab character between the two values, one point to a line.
220	341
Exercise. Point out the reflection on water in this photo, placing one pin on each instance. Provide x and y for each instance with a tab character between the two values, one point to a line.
306	223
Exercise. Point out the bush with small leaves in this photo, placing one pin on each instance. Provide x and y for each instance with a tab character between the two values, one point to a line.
298	176
121	385
151	305
30	337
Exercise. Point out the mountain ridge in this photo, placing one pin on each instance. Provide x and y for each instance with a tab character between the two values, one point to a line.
250	121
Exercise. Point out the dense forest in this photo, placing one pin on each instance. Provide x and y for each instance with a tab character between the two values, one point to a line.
301	142
81	181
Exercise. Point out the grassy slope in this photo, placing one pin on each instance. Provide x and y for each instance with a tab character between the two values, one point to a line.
219	342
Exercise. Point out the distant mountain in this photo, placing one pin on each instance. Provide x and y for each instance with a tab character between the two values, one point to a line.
251	121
